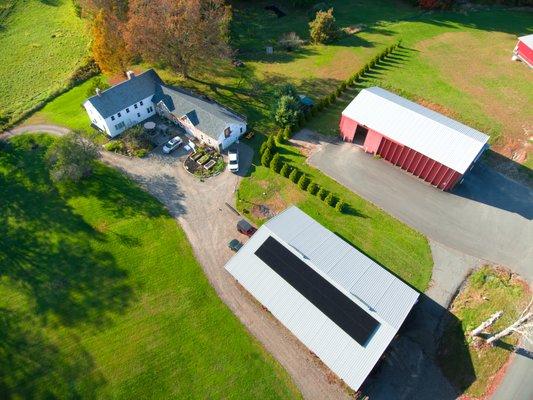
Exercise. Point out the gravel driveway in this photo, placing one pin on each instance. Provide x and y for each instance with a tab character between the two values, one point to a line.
209	224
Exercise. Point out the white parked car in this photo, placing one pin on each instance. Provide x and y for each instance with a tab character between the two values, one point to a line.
233	157
172	144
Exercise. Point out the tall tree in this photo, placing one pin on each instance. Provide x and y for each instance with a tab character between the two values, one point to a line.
178	33
108	46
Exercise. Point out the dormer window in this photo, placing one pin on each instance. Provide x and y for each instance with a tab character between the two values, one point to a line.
141	103
135	105
127	110
112	118
227	132
119	115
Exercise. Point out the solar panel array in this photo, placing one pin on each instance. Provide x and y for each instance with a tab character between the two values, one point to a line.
346	314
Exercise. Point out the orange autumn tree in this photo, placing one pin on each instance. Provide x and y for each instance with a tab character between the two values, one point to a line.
181	34
108	45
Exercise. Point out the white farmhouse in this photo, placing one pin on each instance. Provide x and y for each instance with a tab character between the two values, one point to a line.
140	97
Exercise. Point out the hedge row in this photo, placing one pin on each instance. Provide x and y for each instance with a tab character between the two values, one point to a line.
332	97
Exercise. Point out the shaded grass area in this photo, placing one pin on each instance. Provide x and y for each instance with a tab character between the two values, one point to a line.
391	243
41	44
101	297
487	290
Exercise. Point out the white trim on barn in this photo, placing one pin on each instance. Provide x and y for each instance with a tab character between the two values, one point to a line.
373	289
440	138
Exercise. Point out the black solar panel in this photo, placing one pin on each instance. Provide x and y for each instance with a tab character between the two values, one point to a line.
351	318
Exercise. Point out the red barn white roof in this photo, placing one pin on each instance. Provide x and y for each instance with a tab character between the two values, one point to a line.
442	139
527	40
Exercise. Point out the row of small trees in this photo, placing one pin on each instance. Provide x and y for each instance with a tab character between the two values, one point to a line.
290	116
271	158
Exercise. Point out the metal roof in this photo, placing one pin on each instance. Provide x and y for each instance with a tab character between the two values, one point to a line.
440	138
205	114
126	93
527	40
379	293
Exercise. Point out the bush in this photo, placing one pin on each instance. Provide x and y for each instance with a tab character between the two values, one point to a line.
342	86
338	92
280	138
287	133
340	206
332	98
97	83
275	163
290	41
322	193
114	145
312	188
71	158
266	158
263	147
271	142
287	111
140	153
294	175
303	182
323	28
330	200
285	170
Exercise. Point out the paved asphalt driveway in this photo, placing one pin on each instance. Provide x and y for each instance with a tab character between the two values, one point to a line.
488	216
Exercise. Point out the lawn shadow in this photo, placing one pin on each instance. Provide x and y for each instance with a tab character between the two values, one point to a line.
485	185
47	248
32	367
410	367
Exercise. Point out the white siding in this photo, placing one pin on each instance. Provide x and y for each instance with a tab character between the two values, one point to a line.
236	131
386	298
442	139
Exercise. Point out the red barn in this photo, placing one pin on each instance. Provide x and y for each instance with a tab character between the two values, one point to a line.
421	141
524	50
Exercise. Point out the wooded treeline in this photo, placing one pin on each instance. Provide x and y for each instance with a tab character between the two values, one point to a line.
179	34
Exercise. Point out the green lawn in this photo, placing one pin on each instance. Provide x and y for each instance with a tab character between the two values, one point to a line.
67	109
488	290
393	244
101	296
41	44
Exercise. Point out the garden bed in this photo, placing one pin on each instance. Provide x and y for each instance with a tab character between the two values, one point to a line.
134	142
204	162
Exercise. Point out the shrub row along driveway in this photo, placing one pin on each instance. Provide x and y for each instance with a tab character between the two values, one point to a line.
488	216
209	224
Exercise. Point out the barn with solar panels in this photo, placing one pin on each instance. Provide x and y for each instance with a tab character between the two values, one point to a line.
338	302
423	142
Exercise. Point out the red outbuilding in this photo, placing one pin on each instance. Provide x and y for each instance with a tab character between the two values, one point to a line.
524	50
421	141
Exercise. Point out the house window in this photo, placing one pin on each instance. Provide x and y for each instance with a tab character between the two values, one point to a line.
241	129
120	125
127	110
112	118
119	115
135	105
141	103
149	109
139	115
227	132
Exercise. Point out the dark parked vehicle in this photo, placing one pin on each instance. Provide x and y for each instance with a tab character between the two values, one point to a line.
245	228
234	245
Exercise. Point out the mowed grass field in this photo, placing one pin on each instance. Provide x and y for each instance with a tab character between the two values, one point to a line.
41	44
101	296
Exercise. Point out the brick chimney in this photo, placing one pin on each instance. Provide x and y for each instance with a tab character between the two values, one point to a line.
130	74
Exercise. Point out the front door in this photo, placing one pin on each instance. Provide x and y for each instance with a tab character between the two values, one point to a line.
360	135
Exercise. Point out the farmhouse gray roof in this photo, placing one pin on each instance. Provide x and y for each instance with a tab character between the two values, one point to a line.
205	114
126	93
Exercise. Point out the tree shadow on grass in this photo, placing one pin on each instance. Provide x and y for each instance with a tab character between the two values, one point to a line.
31	367
47	249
